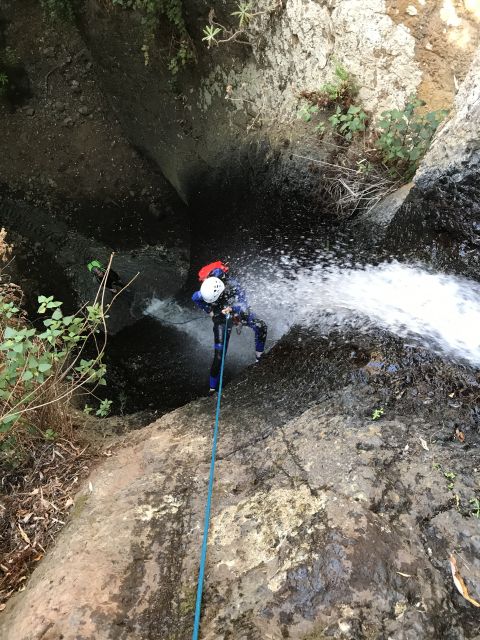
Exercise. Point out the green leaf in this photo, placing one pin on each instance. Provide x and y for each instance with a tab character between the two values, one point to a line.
10	418
57	314
27	375
44	366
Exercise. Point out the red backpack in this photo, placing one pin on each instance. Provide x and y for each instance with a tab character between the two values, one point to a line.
207	269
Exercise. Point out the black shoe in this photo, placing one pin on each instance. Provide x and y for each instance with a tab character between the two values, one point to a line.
211	392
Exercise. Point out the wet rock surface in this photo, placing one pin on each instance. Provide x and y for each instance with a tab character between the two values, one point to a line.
439	221
326	523
60	138
348	464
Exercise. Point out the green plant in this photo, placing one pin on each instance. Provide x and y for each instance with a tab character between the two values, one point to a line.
211	32
405	135
3	83
476	507
377	413
306	111
9	56
181	57
244	13
42	367
349	123
449	475
104	408
365	167
8	59
341	90
181	49
57	9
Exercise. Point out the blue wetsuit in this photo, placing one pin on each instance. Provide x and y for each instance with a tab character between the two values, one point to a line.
234	297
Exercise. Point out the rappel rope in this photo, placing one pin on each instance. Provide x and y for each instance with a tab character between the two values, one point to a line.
203	558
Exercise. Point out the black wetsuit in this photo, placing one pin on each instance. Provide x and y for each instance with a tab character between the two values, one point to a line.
113	282
233	296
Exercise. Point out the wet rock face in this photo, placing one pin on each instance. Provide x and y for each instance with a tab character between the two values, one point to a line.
457	145
293	49
325	523
234	92
439	221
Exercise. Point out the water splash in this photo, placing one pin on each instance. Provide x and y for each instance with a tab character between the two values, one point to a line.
437	311
198	325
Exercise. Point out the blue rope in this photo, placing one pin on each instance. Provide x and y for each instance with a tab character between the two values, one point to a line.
198	604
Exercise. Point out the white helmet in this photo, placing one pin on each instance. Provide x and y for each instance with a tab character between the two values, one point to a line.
212	289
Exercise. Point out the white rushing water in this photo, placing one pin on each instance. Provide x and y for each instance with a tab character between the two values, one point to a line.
438	311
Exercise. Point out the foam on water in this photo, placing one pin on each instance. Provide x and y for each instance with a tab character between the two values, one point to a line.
438	311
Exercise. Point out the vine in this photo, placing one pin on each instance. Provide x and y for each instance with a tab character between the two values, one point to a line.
181	48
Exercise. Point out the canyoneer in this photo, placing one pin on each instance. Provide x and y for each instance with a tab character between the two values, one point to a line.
113	282
220	296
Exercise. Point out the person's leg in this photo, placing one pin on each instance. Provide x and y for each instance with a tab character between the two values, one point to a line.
218	338
113	281
260	332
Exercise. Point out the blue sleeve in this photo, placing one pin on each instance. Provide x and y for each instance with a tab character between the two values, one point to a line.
240	304
200	302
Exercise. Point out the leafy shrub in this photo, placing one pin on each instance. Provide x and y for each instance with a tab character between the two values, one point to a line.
306	111
348	119
405	135
342	90
42	367
349	123
152	10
